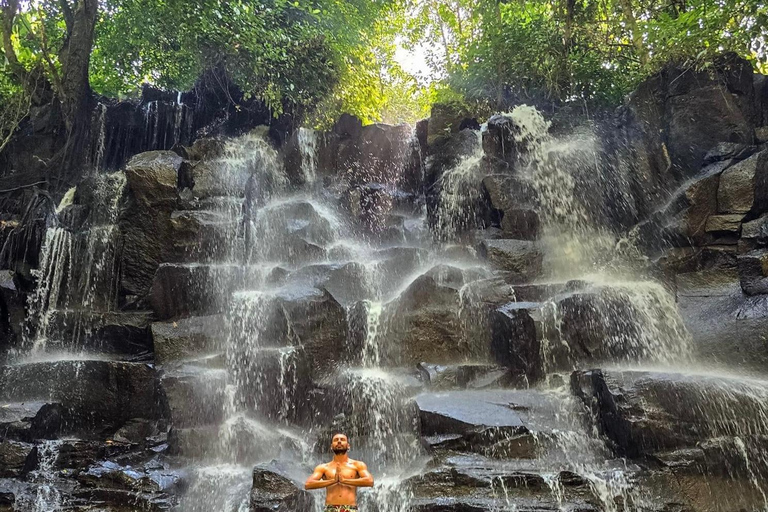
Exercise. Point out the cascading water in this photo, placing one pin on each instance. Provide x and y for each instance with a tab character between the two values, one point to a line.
308	150
78	270
577	247
296	238
459	192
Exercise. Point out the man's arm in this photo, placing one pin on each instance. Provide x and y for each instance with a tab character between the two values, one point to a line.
315	480
364	477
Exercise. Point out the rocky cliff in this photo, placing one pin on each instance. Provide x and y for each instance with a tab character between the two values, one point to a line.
500	316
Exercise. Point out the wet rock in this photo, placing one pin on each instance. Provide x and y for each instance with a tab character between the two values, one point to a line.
457	376
30	420
136	431
685	215
650	412
346	283
744	186
274	490
753	272
187	338
195	396
378	155
515	201
294	232
203	235
729	150
700	119
479	421
348	126
204	148
13	458
515	339
499	138
397	263
145	224
296	316
318	323
446	118
724	223
756	231
109	474
424	323
520	257
180	290
11	310
98	395
217	178
114	332
115	499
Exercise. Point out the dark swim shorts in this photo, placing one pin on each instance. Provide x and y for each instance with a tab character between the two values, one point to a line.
340	508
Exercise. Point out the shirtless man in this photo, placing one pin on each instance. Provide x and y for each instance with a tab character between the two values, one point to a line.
341	477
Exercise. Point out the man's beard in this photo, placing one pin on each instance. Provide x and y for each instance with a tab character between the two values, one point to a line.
340	451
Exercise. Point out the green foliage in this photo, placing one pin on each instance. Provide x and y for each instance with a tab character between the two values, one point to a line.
330	56
579	50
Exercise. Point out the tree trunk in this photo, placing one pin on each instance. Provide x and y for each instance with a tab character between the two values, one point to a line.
75	93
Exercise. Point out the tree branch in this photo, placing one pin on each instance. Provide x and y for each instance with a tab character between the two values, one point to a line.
69	18
9	9
42	40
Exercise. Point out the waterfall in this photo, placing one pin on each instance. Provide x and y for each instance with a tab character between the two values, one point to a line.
308	150
78	269
459	192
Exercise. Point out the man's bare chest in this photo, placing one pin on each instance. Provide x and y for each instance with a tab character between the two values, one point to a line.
344	471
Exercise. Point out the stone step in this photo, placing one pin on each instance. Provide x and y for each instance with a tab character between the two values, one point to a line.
205	235
188	338
116	333
180	290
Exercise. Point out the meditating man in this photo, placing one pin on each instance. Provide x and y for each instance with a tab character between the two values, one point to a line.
342	476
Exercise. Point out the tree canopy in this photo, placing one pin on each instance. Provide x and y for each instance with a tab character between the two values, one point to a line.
595	50
329	56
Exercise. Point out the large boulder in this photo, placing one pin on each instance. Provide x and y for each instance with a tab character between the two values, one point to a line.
744	186
727	327
380	154
146	222
515	338
631	322
97	395
515	201
696	423
276	490
188	338
673	119
519	257
306	318
753	271
194	396
424	322
204	235
114	332
13	458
